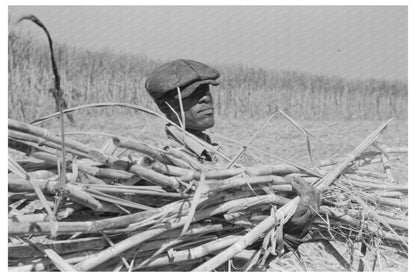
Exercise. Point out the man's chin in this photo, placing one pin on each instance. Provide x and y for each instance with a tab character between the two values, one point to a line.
207	123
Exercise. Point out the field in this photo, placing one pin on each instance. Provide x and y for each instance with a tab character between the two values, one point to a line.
340	112
90	77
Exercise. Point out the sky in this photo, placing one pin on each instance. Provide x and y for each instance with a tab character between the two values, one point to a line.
346	41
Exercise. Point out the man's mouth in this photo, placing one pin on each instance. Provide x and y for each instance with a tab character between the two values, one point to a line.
207	111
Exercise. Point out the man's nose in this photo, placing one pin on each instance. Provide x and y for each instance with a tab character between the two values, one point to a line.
207	98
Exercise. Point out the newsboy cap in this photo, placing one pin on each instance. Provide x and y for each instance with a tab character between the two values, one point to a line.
185	74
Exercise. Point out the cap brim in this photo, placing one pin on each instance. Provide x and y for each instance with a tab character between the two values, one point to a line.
192	87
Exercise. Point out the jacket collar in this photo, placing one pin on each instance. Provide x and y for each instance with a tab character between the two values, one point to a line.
196	141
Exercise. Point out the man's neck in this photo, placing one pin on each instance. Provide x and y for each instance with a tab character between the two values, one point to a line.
200	134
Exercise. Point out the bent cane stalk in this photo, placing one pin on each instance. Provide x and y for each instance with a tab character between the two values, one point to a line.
282	215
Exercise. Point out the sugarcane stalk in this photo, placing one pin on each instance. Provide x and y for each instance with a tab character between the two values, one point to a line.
193	142
281	188
45	263
370	157
195	230
36	139
244	148
369	226
84	167
73	192
189	254
62	214
219	185
42	228
83	198
141	147
193	163
96	225
178	162
182	243
116	186
300	167
171	170
390	194
121	189
45	134
397	203
367	173
155	178
231	200
260	170
115	200
18	170
354	235
401	188
20	146
57	260
370	180
28	217
22	185
145	173
396	223
391	214
245	254
396	150
337	170
391	218
118	248
283	214
61	104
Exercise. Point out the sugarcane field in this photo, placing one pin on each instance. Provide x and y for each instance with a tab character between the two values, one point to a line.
161	159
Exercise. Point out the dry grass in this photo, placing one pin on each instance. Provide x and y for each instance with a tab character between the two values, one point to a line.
89	77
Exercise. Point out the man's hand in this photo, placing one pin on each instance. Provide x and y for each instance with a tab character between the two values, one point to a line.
307	208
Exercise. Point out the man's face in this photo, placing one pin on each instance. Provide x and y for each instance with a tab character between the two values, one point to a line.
199	109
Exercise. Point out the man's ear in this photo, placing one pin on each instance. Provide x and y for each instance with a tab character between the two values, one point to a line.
163	107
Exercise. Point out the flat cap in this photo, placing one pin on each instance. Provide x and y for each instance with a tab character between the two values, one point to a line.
185	74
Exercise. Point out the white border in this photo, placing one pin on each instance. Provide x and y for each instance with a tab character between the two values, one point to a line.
411	45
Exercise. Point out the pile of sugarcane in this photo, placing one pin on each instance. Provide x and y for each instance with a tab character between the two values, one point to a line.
133	206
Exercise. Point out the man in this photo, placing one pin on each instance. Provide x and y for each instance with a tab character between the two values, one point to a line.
193	79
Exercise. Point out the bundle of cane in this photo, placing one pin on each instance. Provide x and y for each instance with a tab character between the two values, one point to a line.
155	209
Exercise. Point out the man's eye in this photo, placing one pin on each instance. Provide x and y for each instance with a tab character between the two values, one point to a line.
202	91
189	101
199	94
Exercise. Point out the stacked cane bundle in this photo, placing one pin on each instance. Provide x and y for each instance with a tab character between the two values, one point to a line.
138	207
